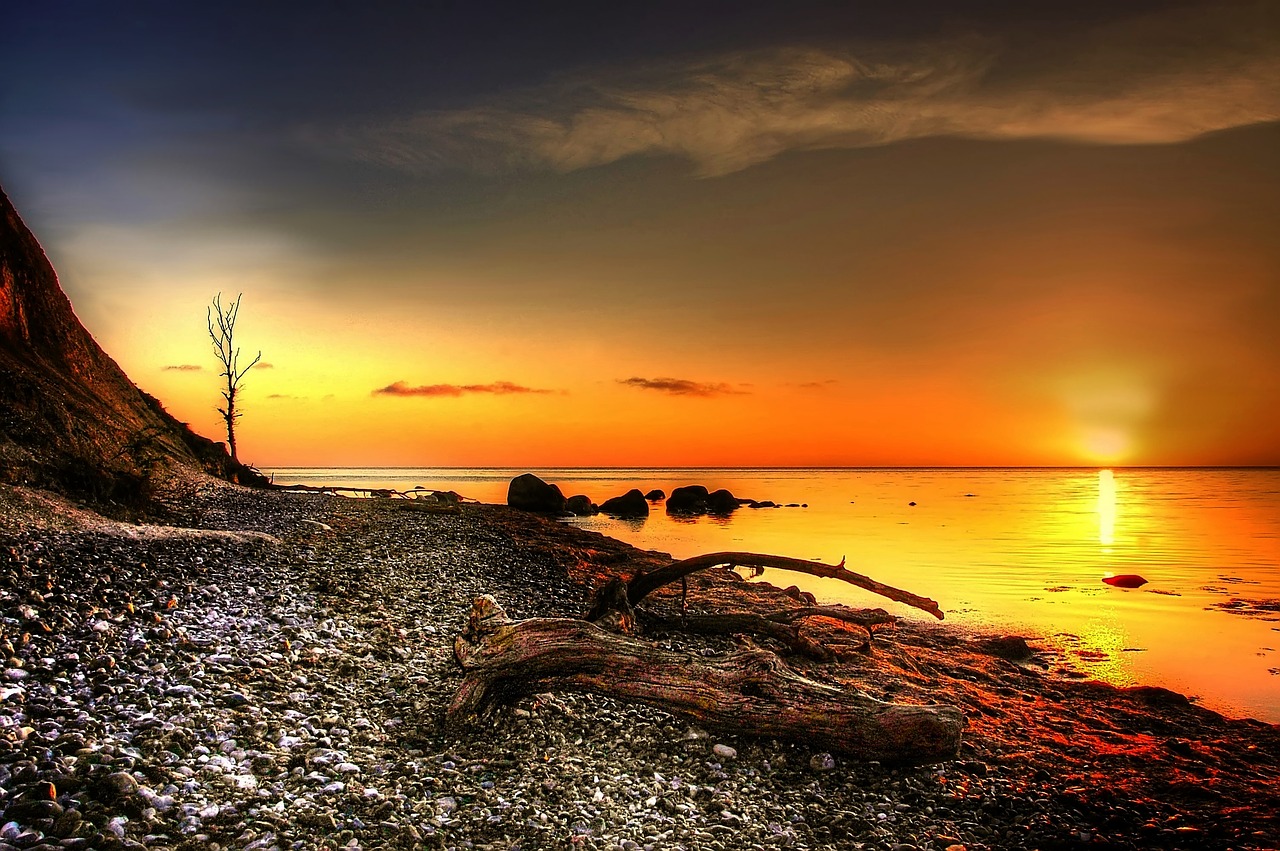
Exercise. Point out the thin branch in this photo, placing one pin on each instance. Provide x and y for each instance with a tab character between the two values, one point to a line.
644	584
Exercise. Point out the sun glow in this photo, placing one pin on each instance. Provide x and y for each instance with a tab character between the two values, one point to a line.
1106	444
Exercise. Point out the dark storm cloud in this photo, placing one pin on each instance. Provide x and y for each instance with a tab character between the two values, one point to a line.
497	388
682	386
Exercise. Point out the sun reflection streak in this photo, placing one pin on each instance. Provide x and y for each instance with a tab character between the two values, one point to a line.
1106	508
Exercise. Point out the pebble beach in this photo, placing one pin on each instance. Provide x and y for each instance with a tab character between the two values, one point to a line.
270	671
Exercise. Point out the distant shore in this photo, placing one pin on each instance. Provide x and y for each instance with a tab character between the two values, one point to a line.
277	680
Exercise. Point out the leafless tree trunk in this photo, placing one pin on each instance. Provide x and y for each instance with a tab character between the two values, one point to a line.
222	326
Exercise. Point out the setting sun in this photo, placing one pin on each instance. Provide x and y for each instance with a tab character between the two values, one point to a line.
666	425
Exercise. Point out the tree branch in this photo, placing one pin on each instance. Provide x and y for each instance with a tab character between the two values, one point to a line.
643	584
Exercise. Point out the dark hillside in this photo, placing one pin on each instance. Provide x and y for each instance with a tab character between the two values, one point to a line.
70	419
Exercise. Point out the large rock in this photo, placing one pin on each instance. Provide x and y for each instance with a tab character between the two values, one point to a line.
70	419
721	502
690	499
530	493
630	504
581	505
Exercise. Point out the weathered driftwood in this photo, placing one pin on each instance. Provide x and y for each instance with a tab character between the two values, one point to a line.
781	626
749	690
643	584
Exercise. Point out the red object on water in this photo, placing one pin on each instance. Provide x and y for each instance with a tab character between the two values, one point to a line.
1125	580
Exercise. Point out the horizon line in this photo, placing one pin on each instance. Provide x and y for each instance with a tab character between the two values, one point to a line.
532	468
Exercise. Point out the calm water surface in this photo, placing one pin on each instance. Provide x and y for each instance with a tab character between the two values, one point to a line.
1002	550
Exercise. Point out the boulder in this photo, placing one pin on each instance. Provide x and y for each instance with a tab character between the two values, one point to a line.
721	502
1125	580
691	499
530	493
630	504
581	506
655	495
794	592
1011	647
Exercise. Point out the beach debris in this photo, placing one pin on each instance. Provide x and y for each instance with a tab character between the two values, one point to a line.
748	690
1125	580
643	584
782	626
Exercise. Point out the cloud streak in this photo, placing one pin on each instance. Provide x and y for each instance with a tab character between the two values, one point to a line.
735	111
682	386
497	388
183	367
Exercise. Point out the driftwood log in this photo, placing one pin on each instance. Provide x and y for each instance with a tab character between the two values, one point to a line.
781	626
613	606
643	584
749	690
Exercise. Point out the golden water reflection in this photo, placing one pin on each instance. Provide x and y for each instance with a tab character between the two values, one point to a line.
1013	551
1106	508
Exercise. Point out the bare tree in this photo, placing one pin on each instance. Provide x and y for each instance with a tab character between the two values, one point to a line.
222	327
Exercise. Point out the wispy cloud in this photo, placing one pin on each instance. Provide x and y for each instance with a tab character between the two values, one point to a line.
825	384
735	111
183	367
498	388
682	386
263	365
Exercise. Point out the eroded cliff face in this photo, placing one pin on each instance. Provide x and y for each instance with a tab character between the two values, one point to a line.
70	419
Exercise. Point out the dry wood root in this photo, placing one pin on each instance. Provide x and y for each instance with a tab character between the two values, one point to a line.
781	626
749	690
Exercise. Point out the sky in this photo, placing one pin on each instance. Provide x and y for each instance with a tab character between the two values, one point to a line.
686	234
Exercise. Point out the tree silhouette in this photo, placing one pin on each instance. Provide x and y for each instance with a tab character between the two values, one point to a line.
222	327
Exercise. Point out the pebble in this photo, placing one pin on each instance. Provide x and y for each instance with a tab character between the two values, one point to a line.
253	697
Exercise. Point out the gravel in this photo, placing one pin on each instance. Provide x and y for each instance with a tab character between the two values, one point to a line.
286	690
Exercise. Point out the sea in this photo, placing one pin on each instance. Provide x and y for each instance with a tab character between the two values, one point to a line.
1011	551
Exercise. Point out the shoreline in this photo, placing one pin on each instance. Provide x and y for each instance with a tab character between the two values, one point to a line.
323	656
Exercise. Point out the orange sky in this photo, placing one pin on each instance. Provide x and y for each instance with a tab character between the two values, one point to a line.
998	245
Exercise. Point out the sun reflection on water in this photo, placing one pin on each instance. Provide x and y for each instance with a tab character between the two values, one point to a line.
1106	508
1101	652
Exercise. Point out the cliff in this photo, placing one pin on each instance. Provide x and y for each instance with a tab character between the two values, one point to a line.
70	419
